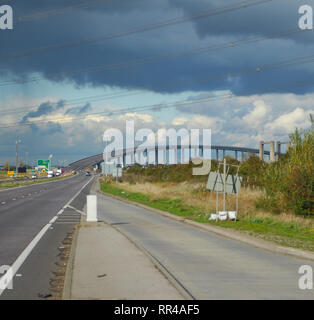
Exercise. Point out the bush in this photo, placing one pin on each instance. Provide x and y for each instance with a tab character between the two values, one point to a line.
253	170
289	182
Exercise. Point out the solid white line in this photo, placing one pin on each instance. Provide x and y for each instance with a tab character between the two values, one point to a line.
78	192
53	220
77	210
8	277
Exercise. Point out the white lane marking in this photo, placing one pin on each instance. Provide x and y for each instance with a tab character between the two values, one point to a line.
53	220
13	199
7	278
77	210
78	193
3	202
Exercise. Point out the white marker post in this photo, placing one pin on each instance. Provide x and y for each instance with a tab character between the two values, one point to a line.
91	208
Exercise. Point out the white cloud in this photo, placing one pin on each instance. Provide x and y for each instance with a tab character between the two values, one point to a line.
258	114
137	116
197	122
179	121
286	123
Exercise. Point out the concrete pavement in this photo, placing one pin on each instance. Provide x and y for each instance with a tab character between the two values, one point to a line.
209	266
201	264
108	266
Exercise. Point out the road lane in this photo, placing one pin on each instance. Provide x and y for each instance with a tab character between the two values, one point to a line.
24	211
207	265
33	278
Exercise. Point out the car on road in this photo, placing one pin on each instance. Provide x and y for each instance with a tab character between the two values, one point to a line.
50	174
87	174
34	176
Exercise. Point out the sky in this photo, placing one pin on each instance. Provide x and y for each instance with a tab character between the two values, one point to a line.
71	69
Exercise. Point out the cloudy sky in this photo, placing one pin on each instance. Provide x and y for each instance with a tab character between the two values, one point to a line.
72	69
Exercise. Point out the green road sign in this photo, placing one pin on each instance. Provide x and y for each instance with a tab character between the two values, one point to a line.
43	164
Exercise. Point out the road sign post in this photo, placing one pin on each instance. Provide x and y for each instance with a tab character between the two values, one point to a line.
224	183
44	164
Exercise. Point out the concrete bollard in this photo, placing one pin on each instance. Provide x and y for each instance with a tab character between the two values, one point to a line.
91	208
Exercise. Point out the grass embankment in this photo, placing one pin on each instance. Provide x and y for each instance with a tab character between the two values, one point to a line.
26	183
191	201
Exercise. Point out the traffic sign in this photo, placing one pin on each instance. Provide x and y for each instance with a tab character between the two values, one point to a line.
43	164
216	183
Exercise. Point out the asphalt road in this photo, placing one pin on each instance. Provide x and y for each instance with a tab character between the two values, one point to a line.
24	212
206	265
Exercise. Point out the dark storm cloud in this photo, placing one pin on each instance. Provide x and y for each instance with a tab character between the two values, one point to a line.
168	75
79	110
44	109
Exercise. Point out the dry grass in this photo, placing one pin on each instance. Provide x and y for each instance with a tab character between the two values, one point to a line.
193	194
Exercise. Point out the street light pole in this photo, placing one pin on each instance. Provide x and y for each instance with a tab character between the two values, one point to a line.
50	163
16	156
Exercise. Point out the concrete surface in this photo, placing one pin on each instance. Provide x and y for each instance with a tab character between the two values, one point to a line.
227	233
108	266
209	266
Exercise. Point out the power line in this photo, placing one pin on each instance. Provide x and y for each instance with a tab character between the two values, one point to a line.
132	63
158	107
243	72
83	5
114	35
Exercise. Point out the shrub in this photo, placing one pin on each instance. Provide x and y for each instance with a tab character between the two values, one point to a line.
289	182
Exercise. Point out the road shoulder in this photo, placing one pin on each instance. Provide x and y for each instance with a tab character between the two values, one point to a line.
106	265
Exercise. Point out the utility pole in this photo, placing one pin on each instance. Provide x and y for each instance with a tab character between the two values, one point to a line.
16	156
225	180
50	163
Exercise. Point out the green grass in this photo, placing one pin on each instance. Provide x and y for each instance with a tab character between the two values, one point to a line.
283	233
26	183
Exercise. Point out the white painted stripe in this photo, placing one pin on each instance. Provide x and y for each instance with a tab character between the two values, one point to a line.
53	220
77	210
8	277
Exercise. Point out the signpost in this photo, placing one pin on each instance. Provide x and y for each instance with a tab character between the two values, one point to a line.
223	182
44	164
117	172
108	168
